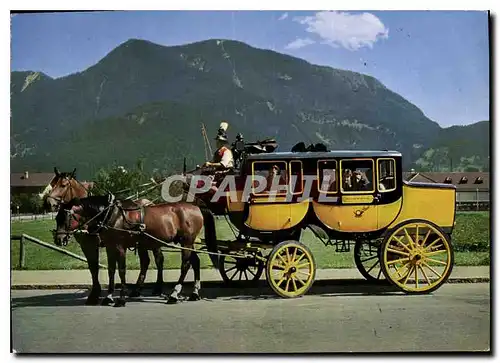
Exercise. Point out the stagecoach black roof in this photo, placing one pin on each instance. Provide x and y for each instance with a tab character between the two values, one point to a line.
325	155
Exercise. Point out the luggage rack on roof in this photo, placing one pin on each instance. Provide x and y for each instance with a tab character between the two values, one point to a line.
240	147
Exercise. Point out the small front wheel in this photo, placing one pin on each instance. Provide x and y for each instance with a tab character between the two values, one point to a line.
290	269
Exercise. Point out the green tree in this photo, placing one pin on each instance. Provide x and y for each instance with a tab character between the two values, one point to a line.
123	182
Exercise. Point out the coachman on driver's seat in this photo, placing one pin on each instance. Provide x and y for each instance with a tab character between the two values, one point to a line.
223	156
222	162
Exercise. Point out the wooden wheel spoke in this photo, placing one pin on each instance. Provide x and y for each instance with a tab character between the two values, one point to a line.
401	243
300	280
398	252
294	284
294	254
436	261
434	253
232	277
399	269
282	259
416	276
416	236
399	260
288	256
303	272
254	275
432	244
425	275
410	240
280	281
369	258
379	273
430	268
371	268
276	265
408	275
241	274
246	276
232	268
426	236
305	264
300	258
287	284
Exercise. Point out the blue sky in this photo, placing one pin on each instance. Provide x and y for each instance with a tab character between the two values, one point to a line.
438	60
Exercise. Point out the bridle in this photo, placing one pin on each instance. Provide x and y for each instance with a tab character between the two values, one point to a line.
82	226
69	217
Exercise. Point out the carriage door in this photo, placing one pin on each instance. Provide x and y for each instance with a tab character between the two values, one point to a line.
355	208
389	192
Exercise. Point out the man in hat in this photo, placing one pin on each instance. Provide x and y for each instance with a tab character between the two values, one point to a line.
223	160
223	157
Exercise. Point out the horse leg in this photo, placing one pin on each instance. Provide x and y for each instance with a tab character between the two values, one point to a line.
174	296
144	262
111	253
91	252
159	260
195	262
122	270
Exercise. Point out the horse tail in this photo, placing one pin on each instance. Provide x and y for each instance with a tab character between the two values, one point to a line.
210	235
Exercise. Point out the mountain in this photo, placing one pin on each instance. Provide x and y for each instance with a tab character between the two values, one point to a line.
458	148
144	100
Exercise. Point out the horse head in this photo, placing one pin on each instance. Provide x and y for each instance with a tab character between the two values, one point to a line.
68	219
81	214
63	188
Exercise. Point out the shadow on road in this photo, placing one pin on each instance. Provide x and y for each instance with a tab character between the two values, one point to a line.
52	299
249	291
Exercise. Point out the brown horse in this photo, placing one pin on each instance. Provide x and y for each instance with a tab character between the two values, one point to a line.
64	188
122	227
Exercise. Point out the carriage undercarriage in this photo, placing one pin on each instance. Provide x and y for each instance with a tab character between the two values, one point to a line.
290	267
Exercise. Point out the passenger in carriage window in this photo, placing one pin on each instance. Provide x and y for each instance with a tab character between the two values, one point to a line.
347	180
359	183
328	182
274	175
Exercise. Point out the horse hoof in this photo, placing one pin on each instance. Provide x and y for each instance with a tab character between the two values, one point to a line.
194	297
119	303
107	301
135	293
172	300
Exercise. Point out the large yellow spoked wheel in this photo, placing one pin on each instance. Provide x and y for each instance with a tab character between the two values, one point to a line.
290	269
417	256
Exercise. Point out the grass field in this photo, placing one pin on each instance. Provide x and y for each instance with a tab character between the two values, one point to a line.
471	239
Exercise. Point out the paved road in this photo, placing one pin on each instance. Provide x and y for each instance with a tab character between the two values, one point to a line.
333	318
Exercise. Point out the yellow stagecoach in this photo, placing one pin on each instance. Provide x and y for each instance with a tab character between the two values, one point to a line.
400	230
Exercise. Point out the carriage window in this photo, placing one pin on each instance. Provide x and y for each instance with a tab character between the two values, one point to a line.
386	175
296	183
269	172
327	176
357	175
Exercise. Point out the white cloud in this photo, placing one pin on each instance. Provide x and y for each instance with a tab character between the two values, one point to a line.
283	17
299	43
351	31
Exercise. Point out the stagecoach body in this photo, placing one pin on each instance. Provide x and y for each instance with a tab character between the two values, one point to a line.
402	225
